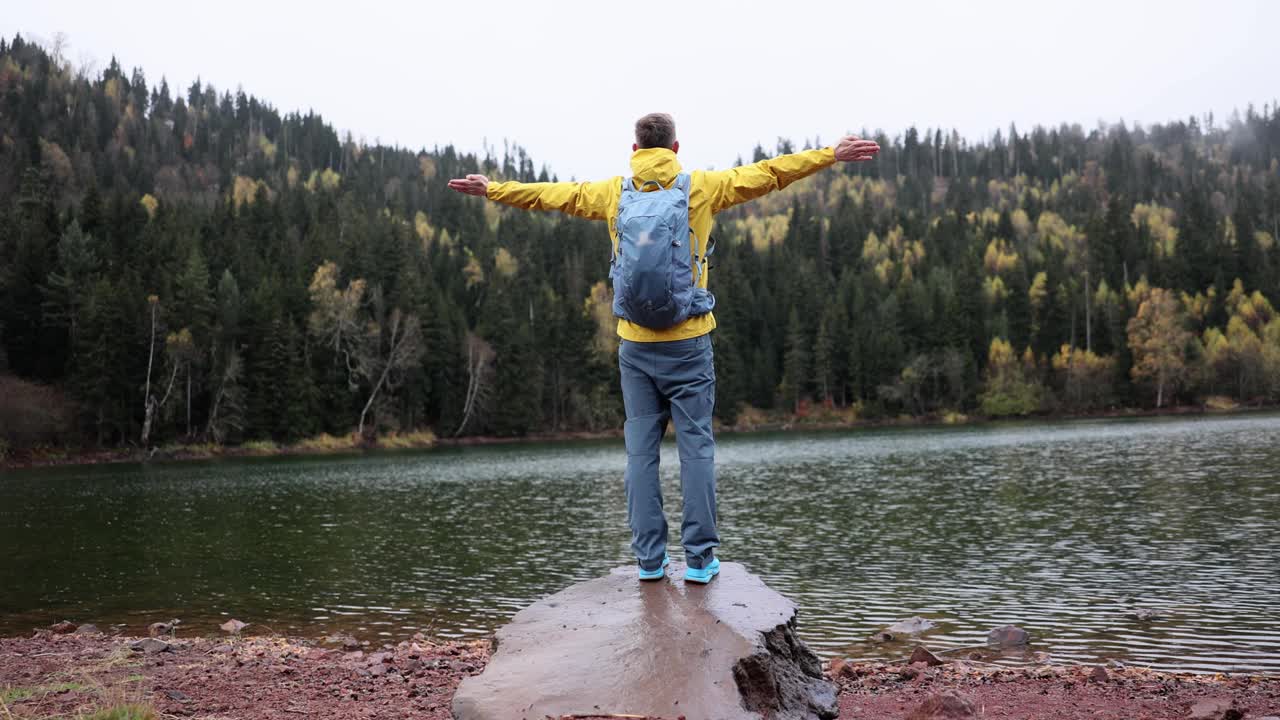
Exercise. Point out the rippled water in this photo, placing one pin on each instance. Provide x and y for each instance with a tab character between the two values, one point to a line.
1063	529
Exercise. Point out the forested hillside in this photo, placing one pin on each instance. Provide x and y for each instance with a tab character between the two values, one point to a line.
195	265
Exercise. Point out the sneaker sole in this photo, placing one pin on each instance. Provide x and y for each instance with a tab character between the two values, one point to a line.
650	575
702	580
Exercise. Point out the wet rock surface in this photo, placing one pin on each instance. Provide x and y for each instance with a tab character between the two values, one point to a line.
1008	636
615	646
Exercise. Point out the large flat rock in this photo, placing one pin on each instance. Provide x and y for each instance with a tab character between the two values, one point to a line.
616	646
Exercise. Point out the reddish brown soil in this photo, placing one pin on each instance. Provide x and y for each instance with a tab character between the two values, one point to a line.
263	677
1051	692
249	678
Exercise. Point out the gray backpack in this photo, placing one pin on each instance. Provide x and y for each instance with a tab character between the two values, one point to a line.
652	268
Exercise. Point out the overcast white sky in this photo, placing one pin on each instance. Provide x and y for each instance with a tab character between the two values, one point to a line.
568	79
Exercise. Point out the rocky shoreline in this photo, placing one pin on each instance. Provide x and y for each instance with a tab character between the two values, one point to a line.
79	671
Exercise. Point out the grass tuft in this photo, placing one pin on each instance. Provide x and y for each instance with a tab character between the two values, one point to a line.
406	440
130	711
324	442
265	447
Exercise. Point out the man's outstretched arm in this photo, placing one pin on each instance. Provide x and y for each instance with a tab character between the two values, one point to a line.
587	200
748	182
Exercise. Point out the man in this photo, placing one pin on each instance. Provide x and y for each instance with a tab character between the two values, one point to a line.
668	372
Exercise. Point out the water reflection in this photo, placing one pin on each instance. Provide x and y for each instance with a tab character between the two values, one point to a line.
1063	529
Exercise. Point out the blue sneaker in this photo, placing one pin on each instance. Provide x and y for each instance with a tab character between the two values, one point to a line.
703	576
659	573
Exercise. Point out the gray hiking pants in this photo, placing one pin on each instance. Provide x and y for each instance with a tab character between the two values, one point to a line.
674	381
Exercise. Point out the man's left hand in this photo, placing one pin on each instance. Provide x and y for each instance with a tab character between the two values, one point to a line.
851	148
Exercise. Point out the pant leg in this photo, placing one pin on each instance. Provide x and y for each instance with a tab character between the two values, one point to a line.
647	416
686	376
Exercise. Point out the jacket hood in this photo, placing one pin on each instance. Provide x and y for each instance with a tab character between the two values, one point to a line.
655	164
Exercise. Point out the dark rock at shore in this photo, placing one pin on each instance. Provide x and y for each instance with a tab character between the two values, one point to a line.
615	646
944	706
1008	636
88	629
922	654
163	628
65	627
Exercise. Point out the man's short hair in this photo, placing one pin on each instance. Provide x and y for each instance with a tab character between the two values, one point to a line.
656	130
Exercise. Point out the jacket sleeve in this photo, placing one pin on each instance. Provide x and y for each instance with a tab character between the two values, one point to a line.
586	200
748	182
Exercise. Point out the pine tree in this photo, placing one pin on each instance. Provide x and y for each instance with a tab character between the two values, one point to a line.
795	372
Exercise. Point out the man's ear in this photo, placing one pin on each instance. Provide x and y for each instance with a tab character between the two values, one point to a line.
675	146
635	147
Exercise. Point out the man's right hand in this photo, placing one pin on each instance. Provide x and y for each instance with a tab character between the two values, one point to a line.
852	149
472	185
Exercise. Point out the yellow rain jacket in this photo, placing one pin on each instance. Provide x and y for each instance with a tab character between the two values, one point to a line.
710	191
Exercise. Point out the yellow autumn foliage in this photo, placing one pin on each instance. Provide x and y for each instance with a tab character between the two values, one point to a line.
993	289
1000	257
245	189
472	270
266	147
150	204
422	227
505	264
1160	221
326	180
599	307
1039	290
427	165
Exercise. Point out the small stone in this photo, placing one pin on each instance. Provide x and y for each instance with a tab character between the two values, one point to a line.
1008	636
63	628
158	629
922	654
151	646
944	706
1215	709
222	648
835	666
378	670
1099	674
88	629
911	626
1146	614
233	626
177	695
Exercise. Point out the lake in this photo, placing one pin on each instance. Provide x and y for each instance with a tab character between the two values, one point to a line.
1066	529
